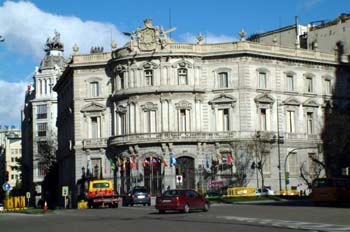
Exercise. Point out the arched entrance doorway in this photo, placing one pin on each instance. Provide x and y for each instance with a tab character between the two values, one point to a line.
185	168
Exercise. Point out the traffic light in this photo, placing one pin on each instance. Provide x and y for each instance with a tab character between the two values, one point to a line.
6	176
287	177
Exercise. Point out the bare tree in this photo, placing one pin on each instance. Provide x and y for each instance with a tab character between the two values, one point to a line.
260	147
46	154
242	158
315	170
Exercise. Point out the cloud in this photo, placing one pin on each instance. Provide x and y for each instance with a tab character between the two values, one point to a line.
311	3
12	99
26	29
208	38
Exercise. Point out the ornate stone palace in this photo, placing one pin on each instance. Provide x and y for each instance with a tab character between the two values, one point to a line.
165	114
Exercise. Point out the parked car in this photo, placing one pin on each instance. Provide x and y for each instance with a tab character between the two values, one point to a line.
264	192
181	200
137	195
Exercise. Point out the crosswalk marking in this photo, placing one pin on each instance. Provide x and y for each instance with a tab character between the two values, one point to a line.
290	224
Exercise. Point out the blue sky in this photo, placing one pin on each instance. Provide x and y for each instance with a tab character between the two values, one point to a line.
27	24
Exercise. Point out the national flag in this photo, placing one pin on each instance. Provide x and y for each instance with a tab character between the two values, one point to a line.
172	160
131	164
164	162
229	159
143	161
112	164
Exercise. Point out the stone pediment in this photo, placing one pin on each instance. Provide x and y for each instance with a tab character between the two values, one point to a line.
223	99
264	99
93	107
311	103
183	105
292	101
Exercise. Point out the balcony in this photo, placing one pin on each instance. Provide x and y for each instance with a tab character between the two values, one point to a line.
174	137
95	143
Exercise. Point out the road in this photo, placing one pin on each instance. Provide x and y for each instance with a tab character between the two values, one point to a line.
281	217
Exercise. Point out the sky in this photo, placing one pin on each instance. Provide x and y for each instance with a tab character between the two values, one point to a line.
26	25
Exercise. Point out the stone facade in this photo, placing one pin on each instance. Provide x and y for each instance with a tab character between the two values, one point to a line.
159	101
39	117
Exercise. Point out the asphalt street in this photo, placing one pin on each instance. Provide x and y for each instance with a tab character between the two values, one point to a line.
283	216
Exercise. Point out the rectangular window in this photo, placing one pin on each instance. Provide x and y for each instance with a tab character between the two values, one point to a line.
223	120
183	123
45	86
222	80
182	76
41	169
263	120
149	77
41	111
327	87
94	89
290	82
262	80
291	121
121	123
121	77
40	87
41	128
95	127
50	85
309	86
151	121
309	122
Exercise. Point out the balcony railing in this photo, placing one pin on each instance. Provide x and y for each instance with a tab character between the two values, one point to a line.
218	136
95	143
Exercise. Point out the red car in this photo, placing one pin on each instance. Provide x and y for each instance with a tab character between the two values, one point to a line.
181	200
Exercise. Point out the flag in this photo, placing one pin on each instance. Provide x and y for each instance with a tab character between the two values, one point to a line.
143	161
229	159
172	160
131	164
207	162
164	162
124	164
112	164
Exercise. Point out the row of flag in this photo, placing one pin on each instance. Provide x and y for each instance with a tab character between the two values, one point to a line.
133	161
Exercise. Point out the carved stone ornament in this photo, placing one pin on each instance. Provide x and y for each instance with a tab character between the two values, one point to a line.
310	103
292	101
149	38
93	107
149	106
183	105
121	109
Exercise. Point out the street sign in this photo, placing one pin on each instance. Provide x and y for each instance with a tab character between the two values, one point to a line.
6	186
27	194
65	191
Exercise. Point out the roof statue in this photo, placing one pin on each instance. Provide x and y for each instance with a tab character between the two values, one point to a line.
149	38
54	43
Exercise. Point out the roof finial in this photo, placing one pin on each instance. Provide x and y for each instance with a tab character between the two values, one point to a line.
242	34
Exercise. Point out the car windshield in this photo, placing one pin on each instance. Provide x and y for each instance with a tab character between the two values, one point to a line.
100	185
172	193
140	190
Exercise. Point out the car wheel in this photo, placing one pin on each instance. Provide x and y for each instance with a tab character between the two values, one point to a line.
186	209
131	204
161	211
206	207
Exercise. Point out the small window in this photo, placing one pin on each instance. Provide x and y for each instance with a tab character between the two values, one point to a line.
121	77
41	128
309	122
291	121
95	127
94	89
222	80
290	82
41	112
263	120
182	76
149	77
327	87
262	80
309	85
